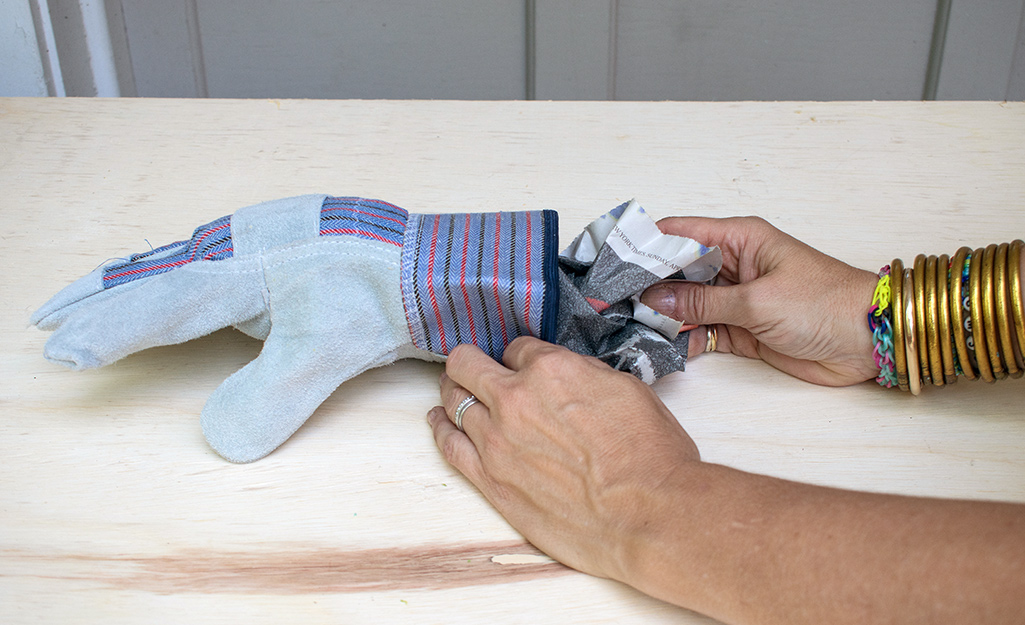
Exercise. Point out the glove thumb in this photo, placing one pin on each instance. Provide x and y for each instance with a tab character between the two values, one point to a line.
334	314
261	405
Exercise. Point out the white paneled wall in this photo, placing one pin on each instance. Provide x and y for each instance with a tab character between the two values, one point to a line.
513	49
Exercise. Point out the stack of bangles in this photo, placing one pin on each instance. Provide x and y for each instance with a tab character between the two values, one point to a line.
944	317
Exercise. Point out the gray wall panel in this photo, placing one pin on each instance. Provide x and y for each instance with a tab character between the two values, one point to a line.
582	49
326	49
575	46
978	58
772	49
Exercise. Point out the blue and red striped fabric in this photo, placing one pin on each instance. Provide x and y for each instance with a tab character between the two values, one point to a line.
482	278
209	242
363	218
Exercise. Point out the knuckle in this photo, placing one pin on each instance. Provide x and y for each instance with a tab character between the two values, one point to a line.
554	362
692	302
450	450
755	222
457	355
522	342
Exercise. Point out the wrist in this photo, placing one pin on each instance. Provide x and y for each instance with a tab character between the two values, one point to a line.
676	554
866	288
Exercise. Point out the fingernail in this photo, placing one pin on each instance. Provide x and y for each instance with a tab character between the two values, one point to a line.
661	298
432	415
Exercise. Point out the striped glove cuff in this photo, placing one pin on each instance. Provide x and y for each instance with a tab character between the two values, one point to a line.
482	278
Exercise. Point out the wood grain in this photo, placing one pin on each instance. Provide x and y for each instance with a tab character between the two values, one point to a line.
114	510
302	570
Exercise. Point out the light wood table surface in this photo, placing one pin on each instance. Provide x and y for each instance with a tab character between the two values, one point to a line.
114	510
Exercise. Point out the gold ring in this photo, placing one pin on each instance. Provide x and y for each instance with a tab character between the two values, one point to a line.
1003	313
897	306
957	312
932	323
918	289
943	308
989	313
978	327
911	336
711	338
1014	288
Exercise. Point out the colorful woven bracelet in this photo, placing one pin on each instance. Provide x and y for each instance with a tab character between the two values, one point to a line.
879	320
958	371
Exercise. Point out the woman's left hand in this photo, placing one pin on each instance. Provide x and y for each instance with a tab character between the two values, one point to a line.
579	458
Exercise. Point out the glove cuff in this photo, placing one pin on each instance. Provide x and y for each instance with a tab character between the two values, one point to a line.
481	278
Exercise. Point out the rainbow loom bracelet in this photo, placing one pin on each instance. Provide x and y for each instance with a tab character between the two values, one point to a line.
882	330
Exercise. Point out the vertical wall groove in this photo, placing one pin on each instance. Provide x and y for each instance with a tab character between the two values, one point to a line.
939	39
47	48
613	50
531	49
196	49
1015	89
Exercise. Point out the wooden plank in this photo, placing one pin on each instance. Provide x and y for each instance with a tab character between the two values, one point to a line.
772	50
116	511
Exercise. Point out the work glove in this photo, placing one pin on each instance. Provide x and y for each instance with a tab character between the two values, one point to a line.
334	286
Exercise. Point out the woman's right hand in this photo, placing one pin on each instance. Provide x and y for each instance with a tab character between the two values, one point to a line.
776	299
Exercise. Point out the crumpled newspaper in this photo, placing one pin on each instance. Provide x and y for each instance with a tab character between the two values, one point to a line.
601	277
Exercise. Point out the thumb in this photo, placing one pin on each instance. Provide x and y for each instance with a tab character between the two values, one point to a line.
695	303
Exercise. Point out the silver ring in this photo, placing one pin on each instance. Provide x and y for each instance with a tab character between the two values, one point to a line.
461	409
711	338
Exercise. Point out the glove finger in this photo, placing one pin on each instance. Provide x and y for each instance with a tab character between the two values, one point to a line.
210	242
167	309
56	311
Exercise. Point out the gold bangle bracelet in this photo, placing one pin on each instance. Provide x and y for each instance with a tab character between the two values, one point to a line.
975	310
918	286
1003	312
943	308
957	316
1014	286
900	363
932	324
989	321
910	343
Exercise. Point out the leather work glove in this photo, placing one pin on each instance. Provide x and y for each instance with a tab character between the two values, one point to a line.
335	286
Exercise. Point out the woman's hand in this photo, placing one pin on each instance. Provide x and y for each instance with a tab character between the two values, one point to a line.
592	469
580	458
777	299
